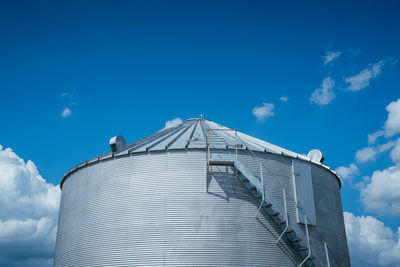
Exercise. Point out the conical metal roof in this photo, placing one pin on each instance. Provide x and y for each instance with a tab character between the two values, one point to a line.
198	133
195	133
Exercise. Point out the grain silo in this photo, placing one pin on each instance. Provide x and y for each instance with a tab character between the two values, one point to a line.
201	194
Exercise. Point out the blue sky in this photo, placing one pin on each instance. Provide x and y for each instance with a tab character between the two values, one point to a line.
127	67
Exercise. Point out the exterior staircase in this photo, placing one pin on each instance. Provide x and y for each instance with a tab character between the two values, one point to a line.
271	206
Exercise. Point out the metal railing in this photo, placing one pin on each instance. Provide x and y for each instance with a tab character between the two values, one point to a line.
286	216
299	208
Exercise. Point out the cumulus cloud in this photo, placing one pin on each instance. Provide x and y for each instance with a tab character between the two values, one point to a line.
284	99
362	79
69	100
392	124
28	213
366	154
172	123
66	112
370	153
370	242
331	56
263	112
347	173
324	95
382	194
395	153
374	136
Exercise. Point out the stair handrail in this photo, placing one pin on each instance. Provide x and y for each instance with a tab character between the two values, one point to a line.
320	237
300	208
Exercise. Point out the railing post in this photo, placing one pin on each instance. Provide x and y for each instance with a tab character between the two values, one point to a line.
308	242
208	148
236	156
208	159
286	215
262	188
262	180
327	255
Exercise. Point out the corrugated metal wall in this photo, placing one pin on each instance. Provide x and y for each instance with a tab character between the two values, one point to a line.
329	213
160	208
153	209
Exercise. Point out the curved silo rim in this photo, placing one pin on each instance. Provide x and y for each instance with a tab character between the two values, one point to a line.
111	156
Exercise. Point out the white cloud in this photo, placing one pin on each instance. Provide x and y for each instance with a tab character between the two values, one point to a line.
362	79
385	147
370	242
284	99
172	123
66	94
382	194
324	95
66	112
347	172
370	153
392	124
395	153
263	112
28	213
393	60
366	154
374	136
331	56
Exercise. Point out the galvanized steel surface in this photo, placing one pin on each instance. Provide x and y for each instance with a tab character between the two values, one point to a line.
153	209
193	134
153	204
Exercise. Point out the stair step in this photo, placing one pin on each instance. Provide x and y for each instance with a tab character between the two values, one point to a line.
222	163
252	183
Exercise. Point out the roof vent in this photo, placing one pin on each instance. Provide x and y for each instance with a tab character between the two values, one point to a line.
117	143
316	156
